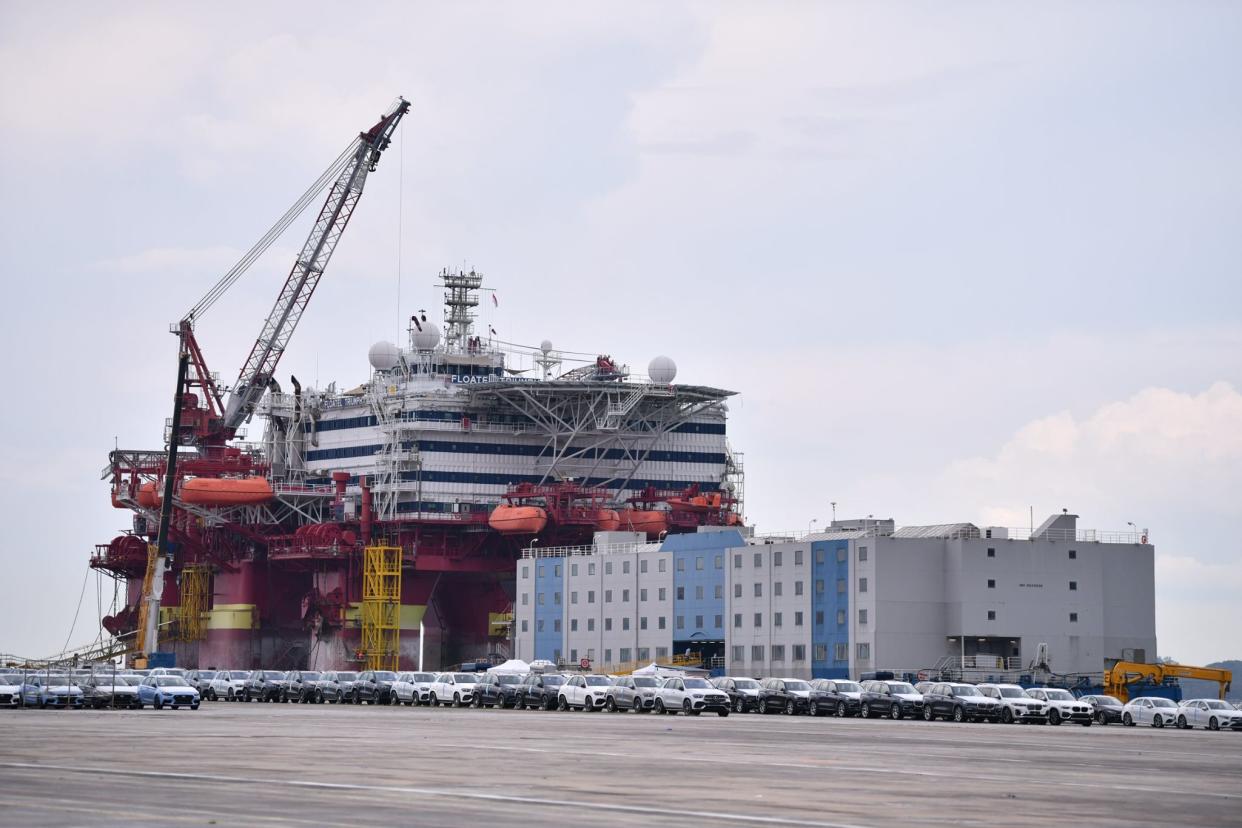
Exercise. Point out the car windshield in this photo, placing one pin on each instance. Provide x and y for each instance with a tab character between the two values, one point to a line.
465	678
1109	700
848	687
598	681
170	681
384	675
111	681
966	691
311	676
509	678
1216	704
553	681
645	682
746	684
1058	695
422	677
1162	703
1013	693
272	674
238	674
346	676
55	679
798	686
206	675
901	687
697	684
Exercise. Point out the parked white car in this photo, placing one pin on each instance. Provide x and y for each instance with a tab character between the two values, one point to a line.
1062	706
690	696
412	688
1212	714
1149	710
584	693
1019	705
10	690
456	689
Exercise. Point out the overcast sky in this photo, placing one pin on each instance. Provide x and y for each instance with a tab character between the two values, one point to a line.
959	260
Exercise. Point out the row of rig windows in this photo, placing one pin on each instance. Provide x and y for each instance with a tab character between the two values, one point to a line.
367	420
715	458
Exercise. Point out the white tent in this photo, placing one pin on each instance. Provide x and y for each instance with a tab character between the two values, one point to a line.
513	665
654	669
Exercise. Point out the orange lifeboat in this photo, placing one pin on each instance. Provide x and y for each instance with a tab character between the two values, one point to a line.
518	520
654	521
148	497
226	491
607	520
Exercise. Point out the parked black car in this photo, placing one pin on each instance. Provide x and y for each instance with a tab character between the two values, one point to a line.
895	699
264	686
959	702
374	687
743	692
837	696
1106	708
338	686
106	690
539	691
777	695
302	686
497	690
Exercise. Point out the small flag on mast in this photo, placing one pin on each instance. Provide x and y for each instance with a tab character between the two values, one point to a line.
491	330
495	301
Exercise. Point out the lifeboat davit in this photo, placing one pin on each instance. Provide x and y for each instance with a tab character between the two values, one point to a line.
607	520
652	521
518	520
226	491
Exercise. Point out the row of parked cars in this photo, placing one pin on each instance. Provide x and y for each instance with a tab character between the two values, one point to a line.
955	701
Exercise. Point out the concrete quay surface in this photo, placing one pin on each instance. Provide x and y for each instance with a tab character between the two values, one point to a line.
275	764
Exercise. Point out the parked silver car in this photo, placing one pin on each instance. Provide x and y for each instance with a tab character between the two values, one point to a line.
633	693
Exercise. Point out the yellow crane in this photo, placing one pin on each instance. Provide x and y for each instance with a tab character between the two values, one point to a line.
1120	676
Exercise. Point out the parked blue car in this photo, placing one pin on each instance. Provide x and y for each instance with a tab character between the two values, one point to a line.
50	690
170	691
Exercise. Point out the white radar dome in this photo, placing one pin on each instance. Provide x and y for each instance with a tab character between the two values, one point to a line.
384	356
545	346
426	339
662	370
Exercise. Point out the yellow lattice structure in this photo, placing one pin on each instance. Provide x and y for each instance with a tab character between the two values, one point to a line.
195	586
381	606
144	603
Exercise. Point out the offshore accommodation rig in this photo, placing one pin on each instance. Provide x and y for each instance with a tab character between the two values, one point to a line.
379	525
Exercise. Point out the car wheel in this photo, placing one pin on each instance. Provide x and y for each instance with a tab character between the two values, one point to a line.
158	704
1101	719
638	705
685	707
173	706
928	715
1007	716
245	695
1054	716
959	715
520	704
1157	721
866	711
1213	723
457	700
790	708
738	705
1182	725
1127	720
722	713
1087	723
894	711
610	705
194	706
588	705
562	703
659	706
840	710
435	701
812	708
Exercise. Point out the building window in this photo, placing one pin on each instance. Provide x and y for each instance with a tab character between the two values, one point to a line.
573	570
556	656
862	553
778	652
991	552
607	624
556	625
720	561
841	652
642	595
625	623
737	590
719	622
1073	553
698	563
798	619
819	556
991	615
625	654
719	591
608	596
590	569
625	567
590	625
607	567
608	656
663	565
821	652
758	560
660	622
776	619
698	622
539	625
525	628
739	653
862	616
681	593
526	572
541	571
590	596
991	583
661	652
776	589
681	622
573	625
663	594
573	655
797	587
819	585
756	652
644	654
698	592
864	652
862	584
799	652
776	557
1073	586
840	586
797	557
758	589
737	561
681	564
539	599
737	620
819	618
642	566
841	555
556	571
840	617
1073	618
525	599
758	620
556	598
625	596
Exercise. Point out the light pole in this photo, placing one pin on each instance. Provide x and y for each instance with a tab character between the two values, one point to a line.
812	523
1133	528
834	511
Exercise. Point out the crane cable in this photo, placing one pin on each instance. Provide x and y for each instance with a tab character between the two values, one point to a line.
235	272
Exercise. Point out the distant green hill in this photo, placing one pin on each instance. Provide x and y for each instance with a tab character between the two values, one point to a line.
1197	689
